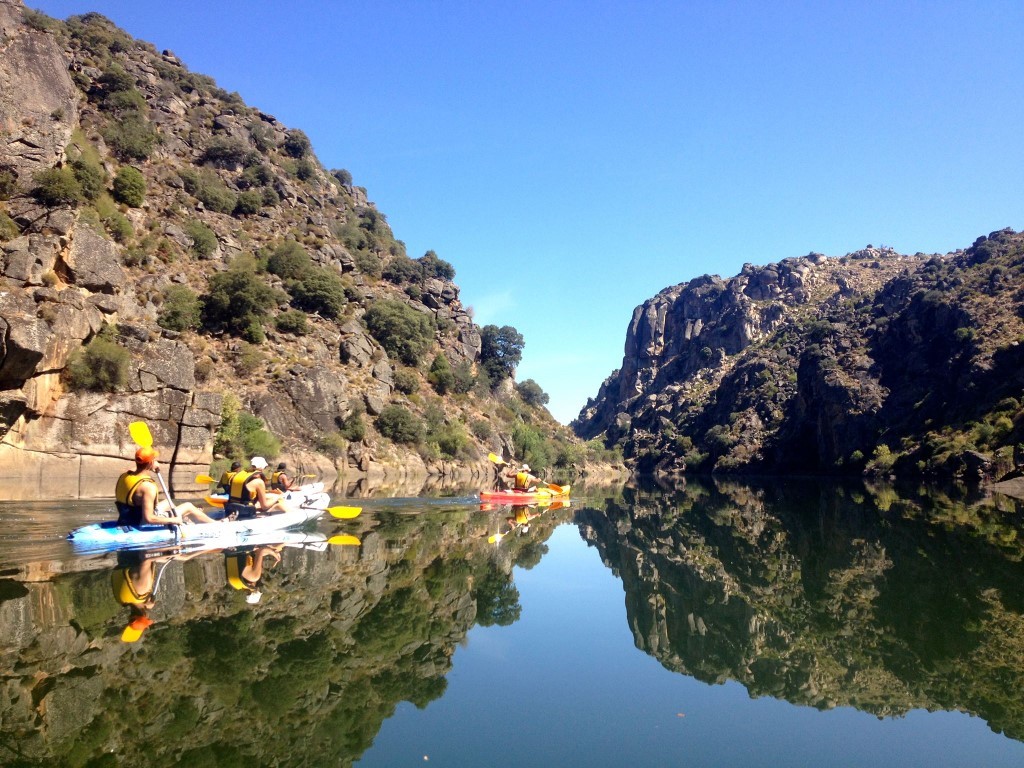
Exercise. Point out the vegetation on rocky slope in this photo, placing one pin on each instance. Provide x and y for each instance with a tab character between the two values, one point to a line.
873	363
286	284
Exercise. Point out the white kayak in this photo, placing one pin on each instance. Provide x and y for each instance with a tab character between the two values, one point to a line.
226	533
309	495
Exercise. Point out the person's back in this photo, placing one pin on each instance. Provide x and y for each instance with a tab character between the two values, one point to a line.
224	484
128	502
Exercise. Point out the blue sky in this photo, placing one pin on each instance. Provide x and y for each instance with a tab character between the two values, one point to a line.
571	159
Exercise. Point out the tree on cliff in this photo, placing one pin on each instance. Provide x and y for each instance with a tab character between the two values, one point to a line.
501	349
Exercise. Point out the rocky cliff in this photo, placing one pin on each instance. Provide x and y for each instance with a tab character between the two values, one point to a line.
875	361
193	258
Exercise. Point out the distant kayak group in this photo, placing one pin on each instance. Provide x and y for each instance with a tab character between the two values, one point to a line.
249	501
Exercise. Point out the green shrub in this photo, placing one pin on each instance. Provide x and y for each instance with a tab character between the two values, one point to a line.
401	330
441	376
262	137
532	447
451	439
206	186
343	176
118	226
130	137
125	102
293	322
332	444
481	428
227	153
90	176
289	261
320	290
406	381
248	203
8	228
304	169
531	393
242	435
181	309
102	365
432	266
402	269
353	428
399	425
256	175
8	183
235	301
296	143
249	360
129	186
57	186
204	241
464	380
369	264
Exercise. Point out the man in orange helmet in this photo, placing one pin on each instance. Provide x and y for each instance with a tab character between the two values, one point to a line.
136	497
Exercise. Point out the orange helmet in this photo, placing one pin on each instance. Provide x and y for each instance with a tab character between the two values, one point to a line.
146	455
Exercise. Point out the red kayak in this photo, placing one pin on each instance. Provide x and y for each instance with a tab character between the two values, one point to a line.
526	497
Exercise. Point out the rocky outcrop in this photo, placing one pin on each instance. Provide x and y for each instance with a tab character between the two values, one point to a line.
872	362
216	184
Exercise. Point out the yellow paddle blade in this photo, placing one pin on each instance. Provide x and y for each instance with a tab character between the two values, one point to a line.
140	433
345	513
213	501
495	538
495	459
344	539
204	479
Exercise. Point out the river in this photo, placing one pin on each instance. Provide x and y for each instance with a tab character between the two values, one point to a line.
783	623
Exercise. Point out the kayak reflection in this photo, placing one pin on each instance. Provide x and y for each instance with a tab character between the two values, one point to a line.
135	581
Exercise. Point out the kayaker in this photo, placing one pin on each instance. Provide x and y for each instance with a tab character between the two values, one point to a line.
279	480
248	495
523	480
224	485
135	496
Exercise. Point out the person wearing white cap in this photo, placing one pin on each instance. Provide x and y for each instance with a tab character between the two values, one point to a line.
248	496
523	480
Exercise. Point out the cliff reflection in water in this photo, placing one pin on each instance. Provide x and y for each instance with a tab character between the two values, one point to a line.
304	676
826	597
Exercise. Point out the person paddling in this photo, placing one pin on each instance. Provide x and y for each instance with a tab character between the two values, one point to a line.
135	496
224	484
248	495
523	480
279	479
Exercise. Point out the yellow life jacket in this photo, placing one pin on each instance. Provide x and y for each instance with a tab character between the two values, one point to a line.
275	481
225	479
129	513
522	481
239	488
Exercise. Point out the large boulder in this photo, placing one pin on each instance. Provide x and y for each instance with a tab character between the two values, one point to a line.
34	86
93	263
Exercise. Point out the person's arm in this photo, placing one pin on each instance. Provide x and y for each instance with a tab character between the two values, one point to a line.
149	516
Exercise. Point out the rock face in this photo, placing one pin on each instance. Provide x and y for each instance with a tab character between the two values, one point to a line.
873	362
213	186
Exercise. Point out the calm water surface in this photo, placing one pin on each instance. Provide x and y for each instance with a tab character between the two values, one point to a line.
786	624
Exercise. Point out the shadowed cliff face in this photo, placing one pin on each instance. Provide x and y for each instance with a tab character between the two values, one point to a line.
826	597
873	362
